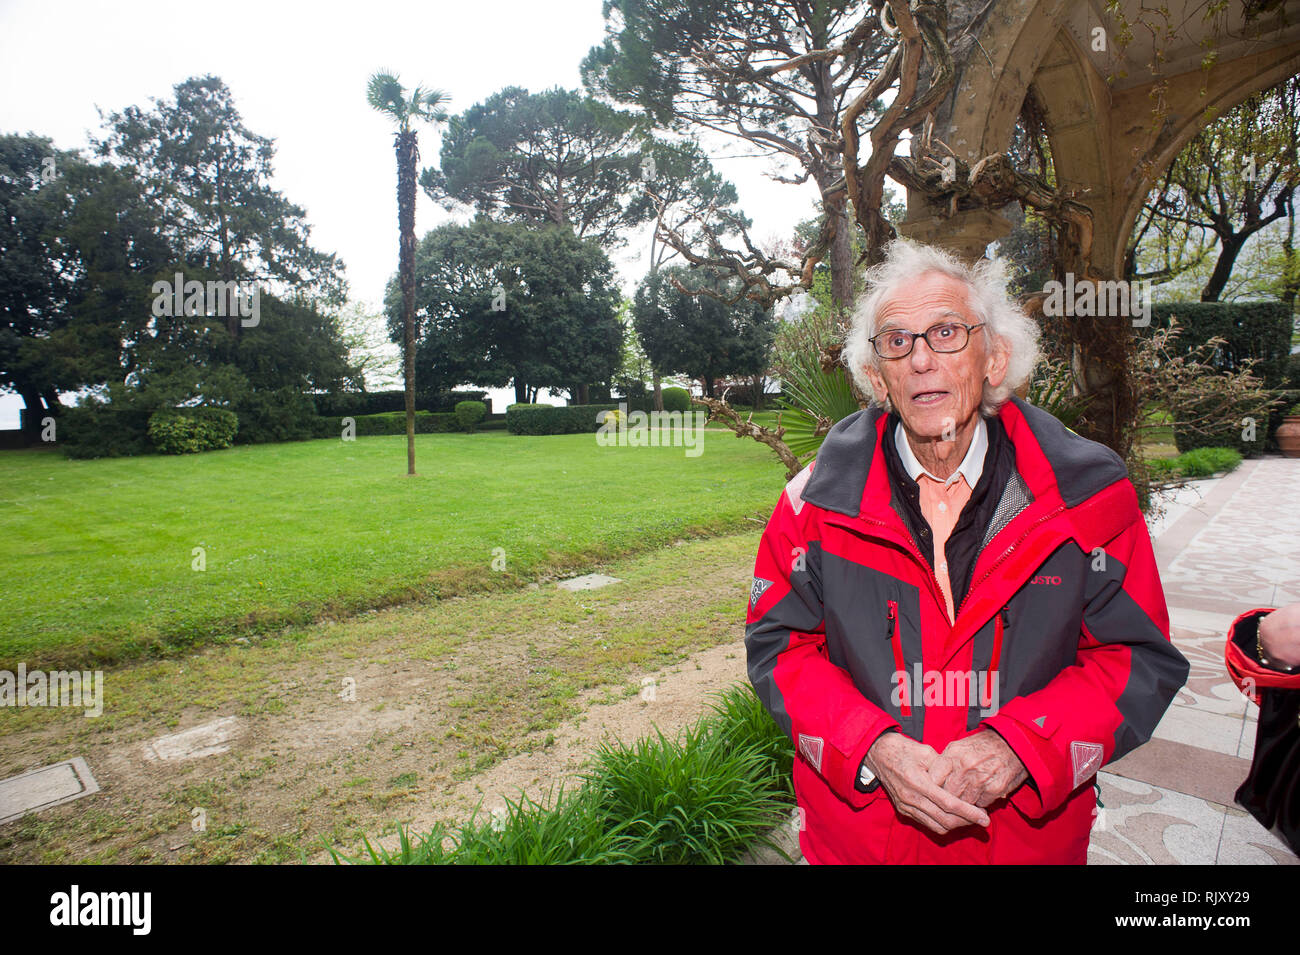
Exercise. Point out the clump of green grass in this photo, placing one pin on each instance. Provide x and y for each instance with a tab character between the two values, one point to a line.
702	797
1197	463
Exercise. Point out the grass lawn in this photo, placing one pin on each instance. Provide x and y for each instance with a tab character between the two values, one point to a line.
101	554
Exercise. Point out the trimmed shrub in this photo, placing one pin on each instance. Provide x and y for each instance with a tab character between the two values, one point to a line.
571	419
469	414
676	399
98	430
191	430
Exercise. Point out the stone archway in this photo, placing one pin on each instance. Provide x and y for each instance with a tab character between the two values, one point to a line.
1095	100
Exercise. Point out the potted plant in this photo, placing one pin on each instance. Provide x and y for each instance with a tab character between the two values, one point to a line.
1288	434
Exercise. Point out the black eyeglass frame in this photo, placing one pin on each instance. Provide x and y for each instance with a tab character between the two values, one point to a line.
926	335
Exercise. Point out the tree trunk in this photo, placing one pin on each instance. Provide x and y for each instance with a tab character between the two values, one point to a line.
1291	278
408	157
659	393
1223	267
842	261
34	413
1101	368
584	393
521	392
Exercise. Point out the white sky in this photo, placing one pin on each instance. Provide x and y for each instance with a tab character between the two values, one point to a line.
298	74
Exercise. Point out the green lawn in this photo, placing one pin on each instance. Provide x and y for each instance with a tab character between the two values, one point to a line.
99	553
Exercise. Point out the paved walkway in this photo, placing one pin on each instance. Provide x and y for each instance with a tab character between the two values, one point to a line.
1171	800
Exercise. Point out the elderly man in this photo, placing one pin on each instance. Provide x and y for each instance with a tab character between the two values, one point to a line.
956	613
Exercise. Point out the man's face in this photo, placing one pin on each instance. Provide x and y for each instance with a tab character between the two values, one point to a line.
937	394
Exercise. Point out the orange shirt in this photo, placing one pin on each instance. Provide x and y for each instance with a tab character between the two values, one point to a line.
942	501
941	505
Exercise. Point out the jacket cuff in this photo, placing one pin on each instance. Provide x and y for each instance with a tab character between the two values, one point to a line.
1241	656
1043	791
856	798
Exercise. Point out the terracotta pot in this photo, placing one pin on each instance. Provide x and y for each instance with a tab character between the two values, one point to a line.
1288	436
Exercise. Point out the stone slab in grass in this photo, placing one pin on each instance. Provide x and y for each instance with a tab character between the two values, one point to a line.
588	582
207	739
45	787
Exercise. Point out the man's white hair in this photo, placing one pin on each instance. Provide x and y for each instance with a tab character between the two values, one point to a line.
1005	323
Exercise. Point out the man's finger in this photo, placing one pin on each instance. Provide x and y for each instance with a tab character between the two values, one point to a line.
941	769
956	806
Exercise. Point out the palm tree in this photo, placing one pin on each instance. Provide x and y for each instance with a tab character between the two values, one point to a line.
386	94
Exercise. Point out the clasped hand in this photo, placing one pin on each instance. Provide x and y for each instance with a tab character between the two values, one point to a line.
948	790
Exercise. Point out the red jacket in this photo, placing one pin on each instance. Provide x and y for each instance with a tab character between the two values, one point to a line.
1061	645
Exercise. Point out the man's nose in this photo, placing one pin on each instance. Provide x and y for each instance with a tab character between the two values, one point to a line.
922	357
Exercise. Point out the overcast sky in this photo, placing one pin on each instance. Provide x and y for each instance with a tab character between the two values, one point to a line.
298	75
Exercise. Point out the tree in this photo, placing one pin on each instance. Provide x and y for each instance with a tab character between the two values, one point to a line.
385	93
210	177
686	196
79	247
777	74
1226	179
512	302
700	335
555	156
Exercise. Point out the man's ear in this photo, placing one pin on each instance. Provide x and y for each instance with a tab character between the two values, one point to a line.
998	361
877	383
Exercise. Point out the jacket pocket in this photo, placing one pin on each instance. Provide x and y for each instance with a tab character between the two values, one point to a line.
900	665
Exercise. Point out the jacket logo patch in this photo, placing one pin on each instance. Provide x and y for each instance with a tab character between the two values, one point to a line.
1087	760
1051	581
810	747
757	589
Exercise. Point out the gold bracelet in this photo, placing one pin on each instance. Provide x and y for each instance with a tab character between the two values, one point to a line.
1259	647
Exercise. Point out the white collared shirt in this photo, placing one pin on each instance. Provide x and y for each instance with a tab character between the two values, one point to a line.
971	467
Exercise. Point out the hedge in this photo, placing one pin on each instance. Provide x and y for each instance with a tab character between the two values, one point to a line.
1258	330
393	422
357	403
675	399
571	419
96	430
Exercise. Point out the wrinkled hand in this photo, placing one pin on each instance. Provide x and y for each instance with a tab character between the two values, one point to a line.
1279	632
979	769
904	768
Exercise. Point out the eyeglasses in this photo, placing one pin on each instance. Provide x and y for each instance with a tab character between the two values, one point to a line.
944	338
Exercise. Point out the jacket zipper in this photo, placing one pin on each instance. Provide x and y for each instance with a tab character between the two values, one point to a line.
900	665
998	626
1005	554
916	552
